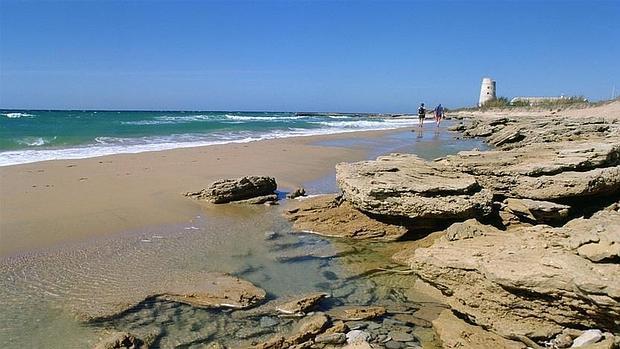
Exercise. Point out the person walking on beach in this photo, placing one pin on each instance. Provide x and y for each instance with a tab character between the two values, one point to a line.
438	114
421	115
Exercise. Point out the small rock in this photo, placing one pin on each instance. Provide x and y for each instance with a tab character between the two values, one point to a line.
297	193
301	304
236	189
357	336
587	337
401	336
308	327
356	313
394	345
331	338
338	326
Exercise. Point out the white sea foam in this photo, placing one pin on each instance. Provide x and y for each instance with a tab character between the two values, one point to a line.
262	118
147	122
367	124
34	141
117	145
15	115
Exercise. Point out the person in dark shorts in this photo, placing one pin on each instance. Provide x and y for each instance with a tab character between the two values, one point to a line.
421	115
438	114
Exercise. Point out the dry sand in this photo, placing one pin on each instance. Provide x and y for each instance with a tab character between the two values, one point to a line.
47	203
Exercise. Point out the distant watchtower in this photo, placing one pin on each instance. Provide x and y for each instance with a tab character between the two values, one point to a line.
487	91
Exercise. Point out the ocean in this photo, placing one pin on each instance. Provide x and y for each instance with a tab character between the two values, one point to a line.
35	135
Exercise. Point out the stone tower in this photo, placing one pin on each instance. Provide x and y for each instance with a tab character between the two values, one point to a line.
487	91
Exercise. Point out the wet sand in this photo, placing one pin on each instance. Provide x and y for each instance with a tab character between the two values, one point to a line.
53	202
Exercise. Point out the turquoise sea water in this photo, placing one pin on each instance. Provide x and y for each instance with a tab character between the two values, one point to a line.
35	135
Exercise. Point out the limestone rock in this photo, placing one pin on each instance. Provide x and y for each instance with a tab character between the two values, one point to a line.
217	291
455	333
356	312
199	289
469	229
538	211
331	338
405	186
308	327
296	193
275	342
546	172
527	281
301	304
511	132
328	215
236	189
263	199
598	243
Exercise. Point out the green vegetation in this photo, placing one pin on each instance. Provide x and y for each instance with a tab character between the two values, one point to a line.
499	102
563	102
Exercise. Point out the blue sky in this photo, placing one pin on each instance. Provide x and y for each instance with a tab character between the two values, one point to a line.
375	56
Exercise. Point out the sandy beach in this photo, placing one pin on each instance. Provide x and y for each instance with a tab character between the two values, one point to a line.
47	203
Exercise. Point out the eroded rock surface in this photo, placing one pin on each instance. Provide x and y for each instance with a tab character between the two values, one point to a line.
538	211
237	189
301	304
455	333
328	215
405	186
548	172
529	281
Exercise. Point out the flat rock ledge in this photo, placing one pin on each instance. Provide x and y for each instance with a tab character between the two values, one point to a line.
198	289
530	281
405	187
251	190
329	215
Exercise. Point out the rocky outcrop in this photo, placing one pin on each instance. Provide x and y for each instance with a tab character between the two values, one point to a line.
329	215
539	183
403	186
547	172
507	132
530	281
254	189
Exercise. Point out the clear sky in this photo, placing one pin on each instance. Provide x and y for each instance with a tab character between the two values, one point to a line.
375	56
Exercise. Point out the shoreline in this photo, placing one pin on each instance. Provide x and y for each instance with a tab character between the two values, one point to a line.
103	148
52	202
